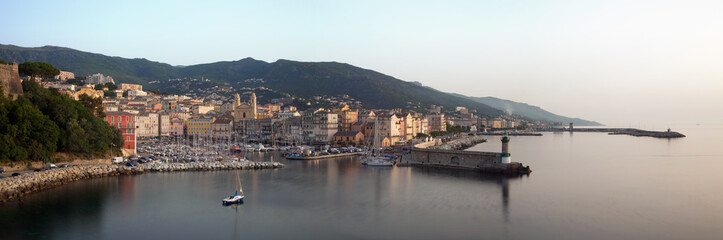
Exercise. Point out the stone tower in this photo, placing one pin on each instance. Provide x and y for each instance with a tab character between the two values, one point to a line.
237	100
10	80
505	149
253	102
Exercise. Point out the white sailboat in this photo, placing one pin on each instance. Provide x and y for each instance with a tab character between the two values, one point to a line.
238	196
375	158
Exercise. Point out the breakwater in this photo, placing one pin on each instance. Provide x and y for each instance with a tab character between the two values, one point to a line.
511	134
460	144
17	186
633	132
322	156
486	162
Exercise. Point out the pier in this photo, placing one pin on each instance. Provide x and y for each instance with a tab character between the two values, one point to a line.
632	132
454	157
322	156
486	162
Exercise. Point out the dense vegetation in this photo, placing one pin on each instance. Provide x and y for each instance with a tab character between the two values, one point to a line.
42	122
42	69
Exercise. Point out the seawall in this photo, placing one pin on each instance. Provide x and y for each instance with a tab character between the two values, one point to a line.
487	162
631	132
18	186
460	144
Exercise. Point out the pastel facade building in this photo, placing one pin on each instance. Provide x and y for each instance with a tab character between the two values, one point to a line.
126	123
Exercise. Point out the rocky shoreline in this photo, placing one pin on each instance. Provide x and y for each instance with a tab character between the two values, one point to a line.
18	186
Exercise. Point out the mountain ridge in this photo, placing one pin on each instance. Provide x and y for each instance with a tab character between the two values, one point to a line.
529	111
304	79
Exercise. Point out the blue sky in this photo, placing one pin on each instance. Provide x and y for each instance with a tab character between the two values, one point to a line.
649	63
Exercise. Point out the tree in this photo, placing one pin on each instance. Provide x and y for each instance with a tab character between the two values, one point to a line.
45	70
111	86
99	86
422	135
110	94
94	104
155	91
41	122
75	81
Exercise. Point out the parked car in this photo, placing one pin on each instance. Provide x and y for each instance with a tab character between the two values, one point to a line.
64	166
1	170
50	166
15	174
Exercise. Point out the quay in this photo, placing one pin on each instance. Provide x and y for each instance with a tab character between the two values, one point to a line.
511	134
18	186
447	157
322	156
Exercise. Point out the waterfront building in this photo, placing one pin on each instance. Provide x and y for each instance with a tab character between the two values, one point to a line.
390	127
349	138
347	118
147	124
126	123
366	116
164	124
358	126
176	127
200	126
290	129
180	115
437	123
319	125
222	127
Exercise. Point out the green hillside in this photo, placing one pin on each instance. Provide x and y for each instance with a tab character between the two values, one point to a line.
124	70
303	79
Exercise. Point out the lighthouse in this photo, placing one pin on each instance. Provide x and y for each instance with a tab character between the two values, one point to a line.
505	156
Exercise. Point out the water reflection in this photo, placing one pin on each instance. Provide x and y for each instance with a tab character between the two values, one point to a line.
46	214
336	198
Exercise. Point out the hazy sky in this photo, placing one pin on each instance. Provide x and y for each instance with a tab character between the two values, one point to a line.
639	63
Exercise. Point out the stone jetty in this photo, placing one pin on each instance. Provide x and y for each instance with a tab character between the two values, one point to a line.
632	132
17	186
460	144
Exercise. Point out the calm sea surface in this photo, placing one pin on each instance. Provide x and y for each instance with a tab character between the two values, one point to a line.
583	186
